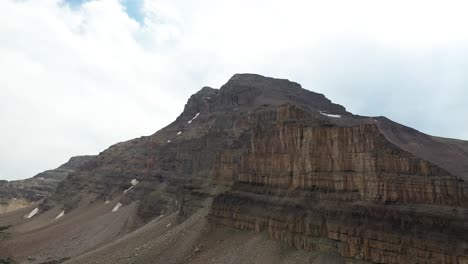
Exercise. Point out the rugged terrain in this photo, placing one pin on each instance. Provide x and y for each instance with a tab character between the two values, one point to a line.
258	171
21	193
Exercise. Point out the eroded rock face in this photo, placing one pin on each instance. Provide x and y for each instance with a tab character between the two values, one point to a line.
288	153
344	190
280	159
21	193
354	230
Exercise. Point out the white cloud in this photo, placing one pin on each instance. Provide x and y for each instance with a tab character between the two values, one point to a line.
74	81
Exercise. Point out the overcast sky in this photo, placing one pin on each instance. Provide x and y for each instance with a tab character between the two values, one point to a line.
77	76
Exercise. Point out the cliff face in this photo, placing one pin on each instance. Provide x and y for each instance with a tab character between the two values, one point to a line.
354	230
276	158
344	190
21	193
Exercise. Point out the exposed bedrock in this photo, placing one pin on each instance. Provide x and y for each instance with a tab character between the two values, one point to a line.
288	152
345	190
375	233
280	159
21	193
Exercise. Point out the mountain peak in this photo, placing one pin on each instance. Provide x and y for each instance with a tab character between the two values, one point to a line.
260	81
261	155
247	91
253	90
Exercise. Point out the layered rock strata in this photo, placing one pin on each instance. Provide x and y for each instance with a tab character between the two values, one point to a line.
21	193
276	158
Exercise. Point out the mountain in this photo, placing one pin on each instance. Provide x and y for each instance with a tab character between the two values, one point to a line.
21	193
258	171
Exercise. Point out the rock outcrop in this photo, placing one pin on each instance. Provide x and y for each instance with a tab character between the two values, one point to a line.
21	193
276	158
344	190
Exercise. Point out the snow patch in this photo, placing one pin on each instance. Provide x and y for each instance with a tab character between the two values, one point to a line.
133	182
116	207
330	115
169	141
131	187
193	118
168	225
33	213
106	202
60	215
180	132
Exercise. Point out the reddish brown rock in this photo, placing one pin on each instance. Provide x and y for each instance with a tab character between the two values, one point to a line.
279	159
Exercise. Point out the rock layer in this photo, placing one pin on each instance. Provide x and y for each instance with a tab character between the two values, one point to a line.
375	233
21	193
345	190
287	152
277	158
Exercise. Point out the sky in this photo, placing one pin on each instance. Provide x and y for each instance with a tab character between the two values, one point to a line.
77	76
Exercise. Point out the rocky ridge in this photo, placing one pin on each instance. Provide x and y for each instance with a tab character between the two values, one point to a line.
21	193
264	155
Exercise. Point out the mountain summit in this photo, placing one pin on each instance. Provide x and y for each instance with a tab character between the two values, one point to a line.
299	178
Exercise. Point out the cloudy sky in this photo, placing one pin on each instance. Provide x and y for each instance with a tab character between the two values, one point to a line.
77	76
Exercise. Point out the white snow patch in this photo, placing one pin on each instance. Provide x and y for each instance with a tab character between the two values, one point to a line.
168	225
193	118
116	207
330	115
33	213
133	182
180	132
131	187
60	215
169	141
106	202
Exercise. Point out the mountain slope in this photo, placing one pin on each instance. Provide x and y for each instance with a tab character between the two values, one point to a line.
20	193
450	154
288	167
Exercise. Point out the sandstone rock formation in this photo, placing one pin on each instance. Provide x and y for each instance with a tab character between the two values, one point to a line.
264	155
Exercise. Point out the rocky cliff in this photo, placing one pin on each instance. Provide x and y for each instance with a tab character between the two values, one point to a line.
344	190
266	155
21	193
